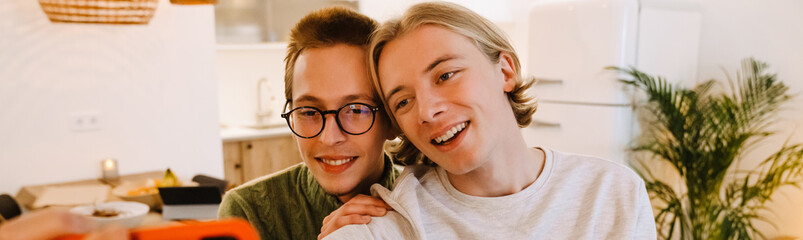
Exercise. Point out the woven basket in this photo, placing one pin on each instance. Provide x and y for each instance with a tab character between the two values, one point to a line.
100	11
193	2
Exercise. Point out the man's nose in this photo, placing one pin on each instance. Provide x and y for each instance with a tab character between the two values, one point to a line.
430	106
331	134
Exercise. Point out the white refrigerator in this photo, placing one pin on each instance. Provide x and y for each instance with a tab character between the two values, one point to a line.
582	107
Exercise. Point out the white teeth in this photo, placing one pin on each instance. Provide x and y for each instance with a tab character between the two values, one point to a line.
337	162
449	134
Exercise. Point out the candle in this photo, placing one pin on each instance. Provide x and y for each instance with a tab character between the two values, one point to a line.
109	167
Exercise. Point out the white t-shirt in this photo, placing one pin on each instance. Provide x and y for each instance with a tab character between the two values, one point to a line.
575	197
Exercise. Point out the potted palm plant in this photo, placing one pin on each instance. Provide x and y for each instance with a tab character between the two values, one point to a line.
703	133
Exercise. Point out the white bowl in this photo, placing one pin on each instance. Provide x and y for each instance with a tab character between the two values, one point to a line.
130	214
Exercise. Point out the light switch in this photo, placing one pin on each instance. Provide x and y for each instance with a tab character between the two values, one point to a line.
85	121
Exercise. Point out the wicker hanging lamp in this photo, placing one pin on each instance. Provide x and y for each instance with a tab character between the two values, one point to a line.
193	2
100	11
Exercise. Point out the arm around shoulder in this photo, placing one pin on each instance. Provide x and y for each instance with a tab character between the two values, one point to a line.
355	232
392	226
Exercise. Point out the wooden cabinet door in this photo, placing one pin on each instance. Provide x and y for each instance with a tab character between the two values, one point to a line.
265	156
233	163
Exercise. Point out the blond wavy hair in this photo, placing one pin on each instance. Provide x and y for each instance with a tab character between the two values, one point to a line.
489	39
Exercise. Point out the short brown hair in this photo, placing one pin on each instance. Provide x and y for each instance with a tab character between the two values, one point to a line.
324	28
488	38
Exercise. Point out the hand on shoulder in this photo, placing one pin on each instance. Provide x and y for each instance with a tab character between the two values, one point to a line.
357	210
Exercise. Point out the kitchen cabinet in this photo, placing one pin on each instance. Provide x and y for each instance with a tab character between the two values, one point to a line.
245	160
252	21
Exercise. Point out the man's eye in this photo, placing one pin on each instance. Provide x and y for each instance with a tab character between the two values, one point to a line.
401	104
445	76
308	113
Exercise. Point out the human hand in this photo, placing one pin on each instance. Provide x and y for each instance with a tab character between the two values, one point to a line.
52	223
110	232
358	210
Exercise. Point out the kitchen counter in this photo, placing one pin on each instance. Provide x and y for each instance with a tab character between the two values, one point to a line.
233	134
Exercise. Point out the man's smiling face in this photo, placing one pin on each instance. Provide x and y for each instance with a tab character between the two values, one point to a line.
327	79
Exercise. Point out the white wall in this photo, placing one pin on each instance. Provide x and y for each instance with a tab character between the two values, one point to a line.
771	31
152	86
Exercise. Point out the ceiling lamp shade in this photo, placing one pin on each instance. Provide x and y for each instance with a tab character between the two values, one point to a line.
193	2
100	11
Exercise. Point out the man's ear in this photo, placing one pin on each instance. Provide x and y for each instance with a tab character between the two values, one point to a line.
508	71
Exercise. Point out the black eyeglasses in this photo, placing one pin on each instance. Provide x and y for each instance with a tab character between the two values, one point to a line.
352	118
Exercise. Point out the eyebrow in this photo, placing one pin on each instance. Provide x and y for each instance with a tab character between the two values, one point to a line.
352	97
307	98
394	91
439	61
347	98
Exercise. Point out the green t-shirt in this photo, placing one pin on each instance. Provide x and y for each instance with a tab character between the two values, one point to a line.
289	204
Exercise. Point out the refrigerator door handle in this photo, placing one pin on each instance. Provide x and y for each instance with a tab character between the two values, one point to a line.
549	81
541	123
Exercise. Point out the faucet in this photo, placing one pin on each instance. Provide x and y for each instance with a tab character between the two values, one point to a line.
263	113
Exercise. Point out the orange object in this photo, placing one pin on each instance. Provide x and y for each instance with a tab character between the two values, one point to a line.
234	229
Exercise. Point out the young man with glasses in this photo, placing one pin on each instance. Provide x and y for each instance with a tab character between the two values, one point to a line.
338	122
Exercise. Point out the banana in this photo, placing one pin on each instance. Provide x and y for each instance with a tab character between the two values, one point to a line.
169	180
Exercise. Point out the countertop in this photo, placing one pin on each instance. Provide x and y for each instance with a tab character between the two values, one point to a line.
233	134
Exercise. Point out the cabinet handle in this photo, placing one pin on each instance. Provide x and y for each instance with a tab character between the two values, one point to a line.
248	146
238	166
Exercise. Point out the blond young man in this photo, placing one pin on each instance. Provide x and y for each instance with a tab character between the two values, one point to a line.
451	82
340	127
